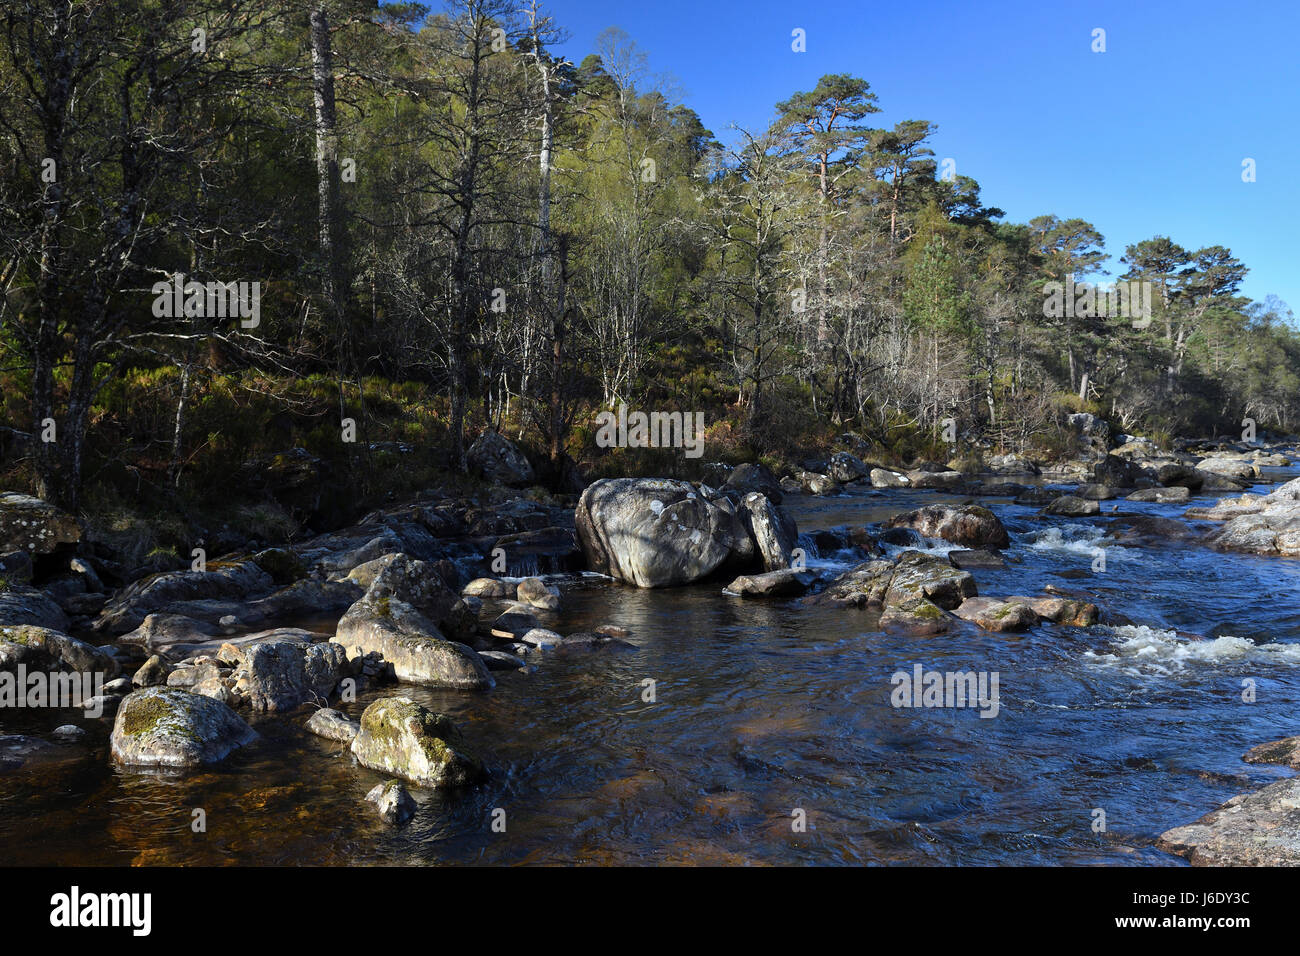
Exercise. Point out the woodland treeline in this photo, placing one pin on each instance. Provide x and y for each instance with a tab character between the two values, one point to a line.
454	228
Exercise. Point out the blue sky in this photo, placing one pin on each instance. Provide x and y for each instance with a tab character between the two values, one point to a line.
1147	138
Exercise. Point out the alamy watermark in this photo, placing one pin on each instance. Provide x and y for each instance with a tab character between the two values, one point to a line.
626	429
925	688
1085	300
52	690
177	299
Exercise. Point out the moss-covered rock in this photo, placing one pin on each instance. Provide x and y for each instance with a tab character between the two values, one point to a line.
168	727
402	738
43	647
410	643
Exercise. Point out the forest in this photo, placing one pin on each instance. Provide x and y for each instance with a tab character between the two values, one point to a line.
388	228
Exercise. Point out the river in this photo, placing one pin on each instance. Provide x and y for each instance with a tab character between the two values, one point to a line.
766	713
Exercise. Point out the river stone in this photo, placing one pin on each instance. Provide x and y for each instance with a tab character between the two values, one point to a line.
988	560
970	526
1072	507
283	675
402	738
239	581
1095	492
499	460
33	526
1061	610
166	727
941	480
152	673
1228	468
394	804
920	575
534	592
410	644
845	468
1175	495
501	661
755	477
655	532
788	582
333	725
861	586
20	604
996	614
1116	472
1252	829
540	637
46	648
1285	751
488	588
884	478
773	531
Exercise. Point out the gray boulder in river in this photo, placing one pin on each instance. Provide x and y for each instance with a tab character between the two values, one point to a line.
656	532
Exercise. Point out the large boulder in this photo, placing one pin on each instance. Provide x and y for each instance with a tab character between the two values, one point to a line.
410	644
33	526
168	727
500	461
970	526
402	738
284	675
655	532
173	591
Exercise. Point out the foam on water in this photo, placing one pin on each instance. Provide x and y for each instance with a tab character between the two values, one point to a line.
1139	649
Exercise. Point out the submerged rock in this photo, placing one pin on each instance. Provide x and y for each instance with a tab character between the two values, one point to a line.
1072	507
402	738
394	804
167	727
534	592
784	583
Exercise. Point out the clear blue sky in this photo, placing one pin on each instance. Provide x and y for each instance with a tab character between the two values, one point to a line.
1147	138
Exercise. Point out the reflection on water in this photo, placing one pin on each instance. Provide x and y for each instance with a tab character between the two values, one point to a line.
763	709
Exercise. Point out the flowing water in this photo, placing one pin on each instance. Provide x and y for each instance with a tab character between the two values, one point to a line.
763	709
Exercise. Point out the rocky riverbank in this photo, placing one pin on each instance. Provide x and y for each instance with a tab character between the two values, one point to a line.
447	593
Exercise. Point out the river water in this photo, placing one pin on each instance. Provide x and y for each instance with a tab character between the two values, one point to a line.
765	714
